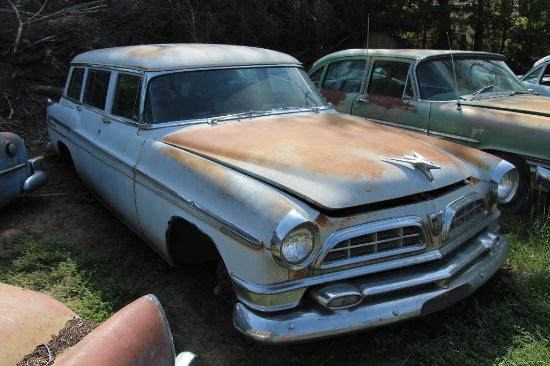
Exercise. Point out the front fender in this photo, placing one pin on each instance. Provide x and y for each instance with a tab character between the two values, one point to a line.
237	212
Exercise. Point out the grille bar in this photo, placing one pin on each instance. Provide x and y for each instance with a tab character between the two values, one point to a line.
462	214
383	242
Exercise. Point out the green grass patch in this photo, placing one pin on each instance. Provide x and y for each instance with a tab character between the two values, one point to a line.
507	322
50	268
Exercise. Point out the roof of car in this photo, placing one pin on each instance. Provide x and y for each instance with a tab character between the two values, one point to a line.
403	53
544	59
174	56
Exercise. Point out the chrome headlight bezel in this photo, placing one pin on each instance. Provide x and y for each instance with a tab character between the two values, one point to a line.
283	247
504	182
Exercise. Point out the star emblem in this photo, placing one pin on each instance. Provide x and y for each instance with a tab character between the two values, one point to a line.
418	162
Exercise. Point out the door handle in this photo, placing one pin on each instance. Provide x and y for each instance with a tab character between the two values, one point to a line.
360	101
105	120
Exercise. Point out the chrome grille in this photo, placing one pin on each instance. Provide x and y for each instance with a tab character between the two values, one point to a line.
380	243
465	213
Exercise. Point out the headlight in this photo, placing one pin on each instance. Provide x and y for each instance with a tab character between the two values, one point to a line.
504	182
293	241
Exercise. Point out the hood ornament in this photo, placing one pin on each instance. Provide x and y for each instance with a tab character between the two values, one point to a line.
417	161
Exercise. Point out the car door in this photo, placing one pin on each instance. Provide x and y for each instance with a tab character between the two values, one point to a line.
342	82
88	104
118	146
390	97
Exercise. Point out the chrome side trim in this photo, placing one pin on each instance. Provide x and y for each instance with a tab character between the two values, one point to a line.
112	158
15	167
184	202
399	125
453	137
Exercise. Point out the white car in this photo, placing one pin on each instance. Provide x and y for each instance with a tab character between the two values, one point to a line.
322	223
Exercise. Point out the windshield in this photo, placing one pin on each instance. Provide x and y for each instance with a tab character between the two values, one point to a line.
473	76
214	93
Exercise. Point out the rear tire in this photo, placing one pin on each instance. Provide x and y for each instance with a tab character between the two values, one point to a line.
224	288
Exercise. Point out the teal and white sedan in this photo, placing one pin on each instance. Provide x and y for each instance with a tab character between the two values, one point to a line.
471	98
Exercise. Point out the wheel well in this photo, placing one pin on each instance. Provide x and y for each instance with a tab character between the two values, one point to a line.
65	153
187	244
519	163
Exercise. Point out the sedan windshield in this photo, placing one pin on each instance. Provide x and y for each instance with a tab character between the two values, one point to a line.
474	77
206	94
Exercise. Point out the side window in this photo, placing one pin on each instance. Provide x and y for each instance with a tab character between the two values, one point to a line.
389	78
316	77
127	94
533	76
75	85
345	76
546	76
97	85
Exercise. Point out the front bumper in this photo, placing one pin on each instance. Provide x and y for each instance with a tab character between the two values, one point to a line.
398	295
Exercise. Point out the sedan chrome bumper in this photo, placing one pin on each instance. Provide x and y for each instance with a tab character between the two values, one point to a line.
409	293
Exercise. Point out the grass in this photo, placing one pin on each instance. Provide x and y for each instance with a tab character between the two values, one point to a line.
507	322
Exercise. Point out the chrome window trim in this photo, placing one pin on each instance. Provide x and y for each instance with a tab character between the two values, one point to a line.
368	228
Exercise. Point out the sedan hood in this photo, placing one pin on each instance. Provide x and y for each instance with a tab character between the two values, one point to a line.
330	160
519	103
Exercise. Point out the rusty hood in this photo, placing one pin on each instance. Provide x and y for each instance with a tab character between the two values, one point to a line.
330	160
520	103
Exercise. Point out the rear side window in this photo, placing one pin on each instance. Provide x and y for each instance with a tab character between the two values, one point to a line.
345	76
97	85
126	103
390	79
75	85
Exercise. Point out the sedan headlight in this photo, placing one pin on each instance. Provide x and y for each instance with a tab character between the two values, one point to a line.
293	241
504	182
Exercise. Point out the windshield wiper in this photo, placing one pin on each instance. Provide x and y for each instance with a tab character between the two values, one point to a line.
250	114
475	94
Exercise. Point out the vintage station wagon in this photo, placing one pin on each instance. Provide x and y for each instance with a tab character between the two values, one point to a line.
322	223
471	98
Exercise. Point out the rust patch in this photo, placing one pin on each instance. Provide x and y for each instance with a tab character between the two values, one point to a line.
328	144
333	96
474	181
297	274
392	103
228	184
322	220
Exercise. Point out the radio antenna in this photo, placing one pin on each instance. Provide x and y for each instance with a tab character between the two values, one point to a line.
368	34
458	106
